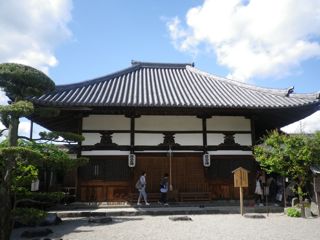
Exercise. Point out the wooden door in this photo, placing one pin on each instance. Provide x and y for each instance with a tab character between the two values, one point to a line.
187	172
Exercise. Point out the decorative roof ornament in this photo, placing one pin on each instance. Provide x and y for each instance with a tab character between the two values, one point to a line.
289	91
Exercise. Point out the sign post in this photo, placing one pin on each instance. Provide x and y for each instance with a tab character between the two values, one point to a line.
241	180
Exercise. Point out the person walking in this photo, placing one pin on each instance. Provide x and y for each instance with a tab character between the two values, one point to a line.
164	186
141	186
259	191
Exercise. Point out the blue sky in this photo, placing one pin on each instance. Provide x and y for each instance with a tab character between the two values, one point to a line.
263	42
107	35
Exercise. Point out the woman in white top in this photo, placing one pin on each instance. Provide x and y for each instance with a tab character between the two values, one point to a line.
141	186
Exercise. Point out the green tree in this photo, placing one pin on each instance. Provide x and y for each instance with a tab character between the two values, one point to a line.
19	162
290	156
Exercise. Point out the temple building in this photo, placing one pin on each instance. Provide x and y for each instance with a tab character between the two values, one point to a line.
168	118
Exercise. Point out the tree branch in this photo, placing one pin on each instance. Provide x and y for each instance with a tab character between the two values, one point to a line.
1	131
23	137
43	139
30	200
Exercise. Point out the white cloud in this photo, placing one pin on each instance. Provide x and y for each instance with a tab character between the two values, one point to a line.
3	98
30	31
24	128
252	38
309	124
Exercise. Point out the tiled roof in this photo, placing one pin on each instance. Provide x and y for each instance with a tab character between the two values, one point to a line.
170	85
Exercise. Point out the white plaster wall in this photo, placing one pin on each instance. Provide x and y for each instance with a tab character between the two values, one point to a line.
188	139
118	138
104	153
243	139
125	153
168	123
217	138
91	138
106	122
121	138
214	138
230	152
148	139
228	123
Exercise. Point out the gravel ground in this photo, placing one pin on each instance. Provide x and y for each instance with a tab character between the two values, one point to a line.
222	227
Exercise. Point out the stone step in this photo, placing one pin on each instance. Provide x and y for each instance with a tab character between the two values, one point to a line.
164	210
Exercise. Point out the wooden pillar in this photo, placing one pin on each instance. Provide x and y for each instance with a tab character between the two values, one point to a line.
79	151
132	130
204	134
80	123
253	132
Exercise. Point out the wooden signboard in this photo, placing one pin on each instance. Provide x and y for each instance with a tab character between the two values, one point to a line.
240	177
240	180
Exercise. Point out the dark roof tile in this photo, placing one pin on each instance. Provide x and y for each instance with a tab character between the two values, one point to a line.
170	85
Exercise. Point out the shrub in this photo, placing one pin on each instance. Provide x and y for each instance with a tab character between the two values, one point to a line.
293	212
29	216
43	199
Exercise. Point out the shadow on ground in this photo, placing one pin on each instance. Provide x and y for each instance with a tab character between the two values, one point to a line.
73	225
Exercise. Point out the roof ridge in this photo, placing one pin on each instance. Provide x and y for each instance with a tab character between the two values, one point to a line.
315	95
161	65
135	65
277	91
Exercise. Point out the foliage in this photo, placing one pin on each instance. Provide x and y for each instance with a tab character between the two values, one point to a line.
31	157
314	145
22	172
55	157
29	216
20	81
46	197
15	110
293	212
20	153
289	155
20	161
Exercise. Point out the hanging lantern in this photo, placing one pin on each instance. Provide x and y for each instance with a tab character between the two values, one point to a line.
132	160
206	160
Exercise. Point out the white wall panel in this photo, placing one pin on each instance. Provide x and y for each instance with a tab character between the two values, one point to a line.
118	138
104	153
91	138
148	139
188	139
106	122
243	139
215	138
230	152
168	123
121	138
228	123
